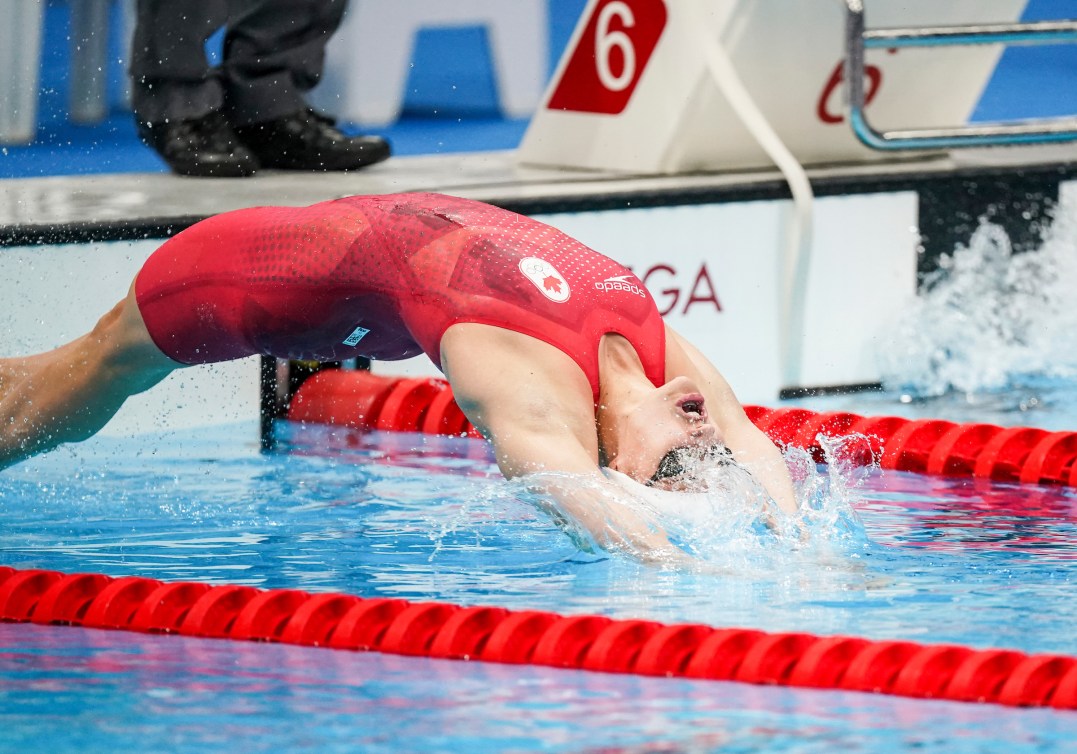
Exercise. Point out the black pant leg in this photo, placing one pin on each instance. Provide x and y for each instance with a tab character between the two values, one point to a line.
274	53
170	76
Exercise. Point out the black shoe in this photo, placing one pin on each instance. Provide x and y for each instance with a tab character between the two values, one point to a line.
309	141
205	146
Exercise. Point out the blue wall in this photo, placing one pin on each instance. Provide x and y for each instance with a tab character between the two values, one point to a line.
451	71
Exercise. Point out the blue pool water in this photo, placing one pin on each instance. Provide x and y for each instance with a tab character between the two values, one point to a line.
97	691
931	560
397	515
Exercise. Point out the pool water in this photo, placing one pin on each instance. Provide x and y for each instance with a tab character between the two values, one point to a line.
930	559
95	691
424	518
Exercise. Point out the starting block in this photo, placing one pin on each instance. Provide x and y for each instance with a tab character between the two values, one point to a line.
634	93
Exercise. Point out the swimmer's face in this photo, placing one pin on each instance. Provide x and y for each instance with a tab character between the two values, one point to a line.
669	418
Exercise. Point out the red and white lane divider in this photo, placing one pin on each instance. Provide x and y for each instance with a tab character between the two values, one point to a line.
363	400
495	634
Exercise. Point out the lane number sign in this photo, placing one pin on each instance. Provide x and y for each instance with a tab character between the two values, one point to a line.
610	57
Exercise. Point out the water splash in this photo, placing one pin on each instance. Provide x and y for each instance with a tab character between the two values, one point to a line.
723	517
989	320
826	495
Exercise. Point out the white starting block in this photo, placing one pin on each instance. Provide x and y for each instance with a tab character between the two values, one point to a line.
369	58
635	91
681	86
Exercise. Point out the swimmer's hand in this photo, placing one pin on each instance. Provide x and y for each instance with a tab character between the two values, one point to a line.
590	504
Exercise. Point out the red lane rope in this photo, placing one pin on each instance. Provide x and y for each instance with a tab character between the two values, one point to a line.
363	400
494	634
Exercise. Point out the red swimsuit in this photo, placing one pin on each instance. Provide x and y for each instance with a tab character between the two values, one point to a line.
384	277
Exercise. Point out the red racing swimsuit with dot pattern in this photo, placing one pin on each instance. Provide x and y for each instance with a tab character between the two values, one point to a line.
384	277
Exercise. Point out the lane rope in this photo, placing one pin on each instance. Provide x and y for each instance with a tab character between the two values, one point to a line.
496	634
362	400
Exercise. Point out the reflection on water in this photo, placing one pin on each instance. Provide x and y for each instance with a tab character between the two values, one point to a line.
68	689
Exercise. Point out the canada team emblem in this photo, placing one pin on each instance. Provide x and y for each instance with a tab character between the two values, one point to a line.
546	278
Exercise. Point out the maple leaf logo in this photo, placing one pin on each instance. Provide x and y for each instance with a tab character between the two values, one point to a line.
545	277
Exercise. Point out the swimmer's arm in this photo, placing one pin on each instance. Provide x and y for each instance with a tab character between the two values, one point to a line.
536	441
752	449
554	462
536	408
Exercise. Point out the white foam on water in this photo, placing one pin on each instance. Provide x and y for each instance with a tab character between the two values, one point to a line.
989	318
724	518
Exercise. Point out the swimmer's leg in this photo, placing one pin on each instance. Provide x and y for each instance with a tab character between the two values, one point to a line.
69	393
11	371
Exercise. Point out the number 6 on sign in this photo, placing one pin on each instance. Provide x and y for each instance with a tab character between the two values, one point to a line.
610	56
607	40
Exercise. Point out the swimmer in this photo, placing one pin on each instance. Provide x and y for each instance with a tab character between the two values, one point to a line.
556	353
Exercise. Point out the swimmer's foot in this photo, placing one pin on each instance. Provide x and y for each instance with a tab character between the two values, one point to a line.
307	140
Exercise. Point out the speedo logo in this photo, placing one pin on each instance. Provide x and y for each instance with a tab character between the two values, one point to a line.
620	283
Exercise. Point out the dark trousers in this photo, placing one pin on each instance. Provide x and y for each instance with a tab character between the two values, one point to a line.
274	51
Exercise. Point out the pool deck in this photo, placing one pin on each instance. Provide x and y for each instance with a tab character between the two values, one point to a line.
82	208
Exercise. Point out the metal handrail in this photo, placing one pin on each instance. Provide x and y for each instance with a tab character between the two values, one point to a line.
1039	32
857	39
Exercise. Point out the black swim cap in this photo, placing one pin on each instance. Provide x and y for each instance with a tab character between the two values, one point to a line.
677	461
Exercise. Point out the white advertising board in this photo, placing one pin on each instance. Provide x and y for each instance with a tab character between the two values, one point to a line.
714	271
